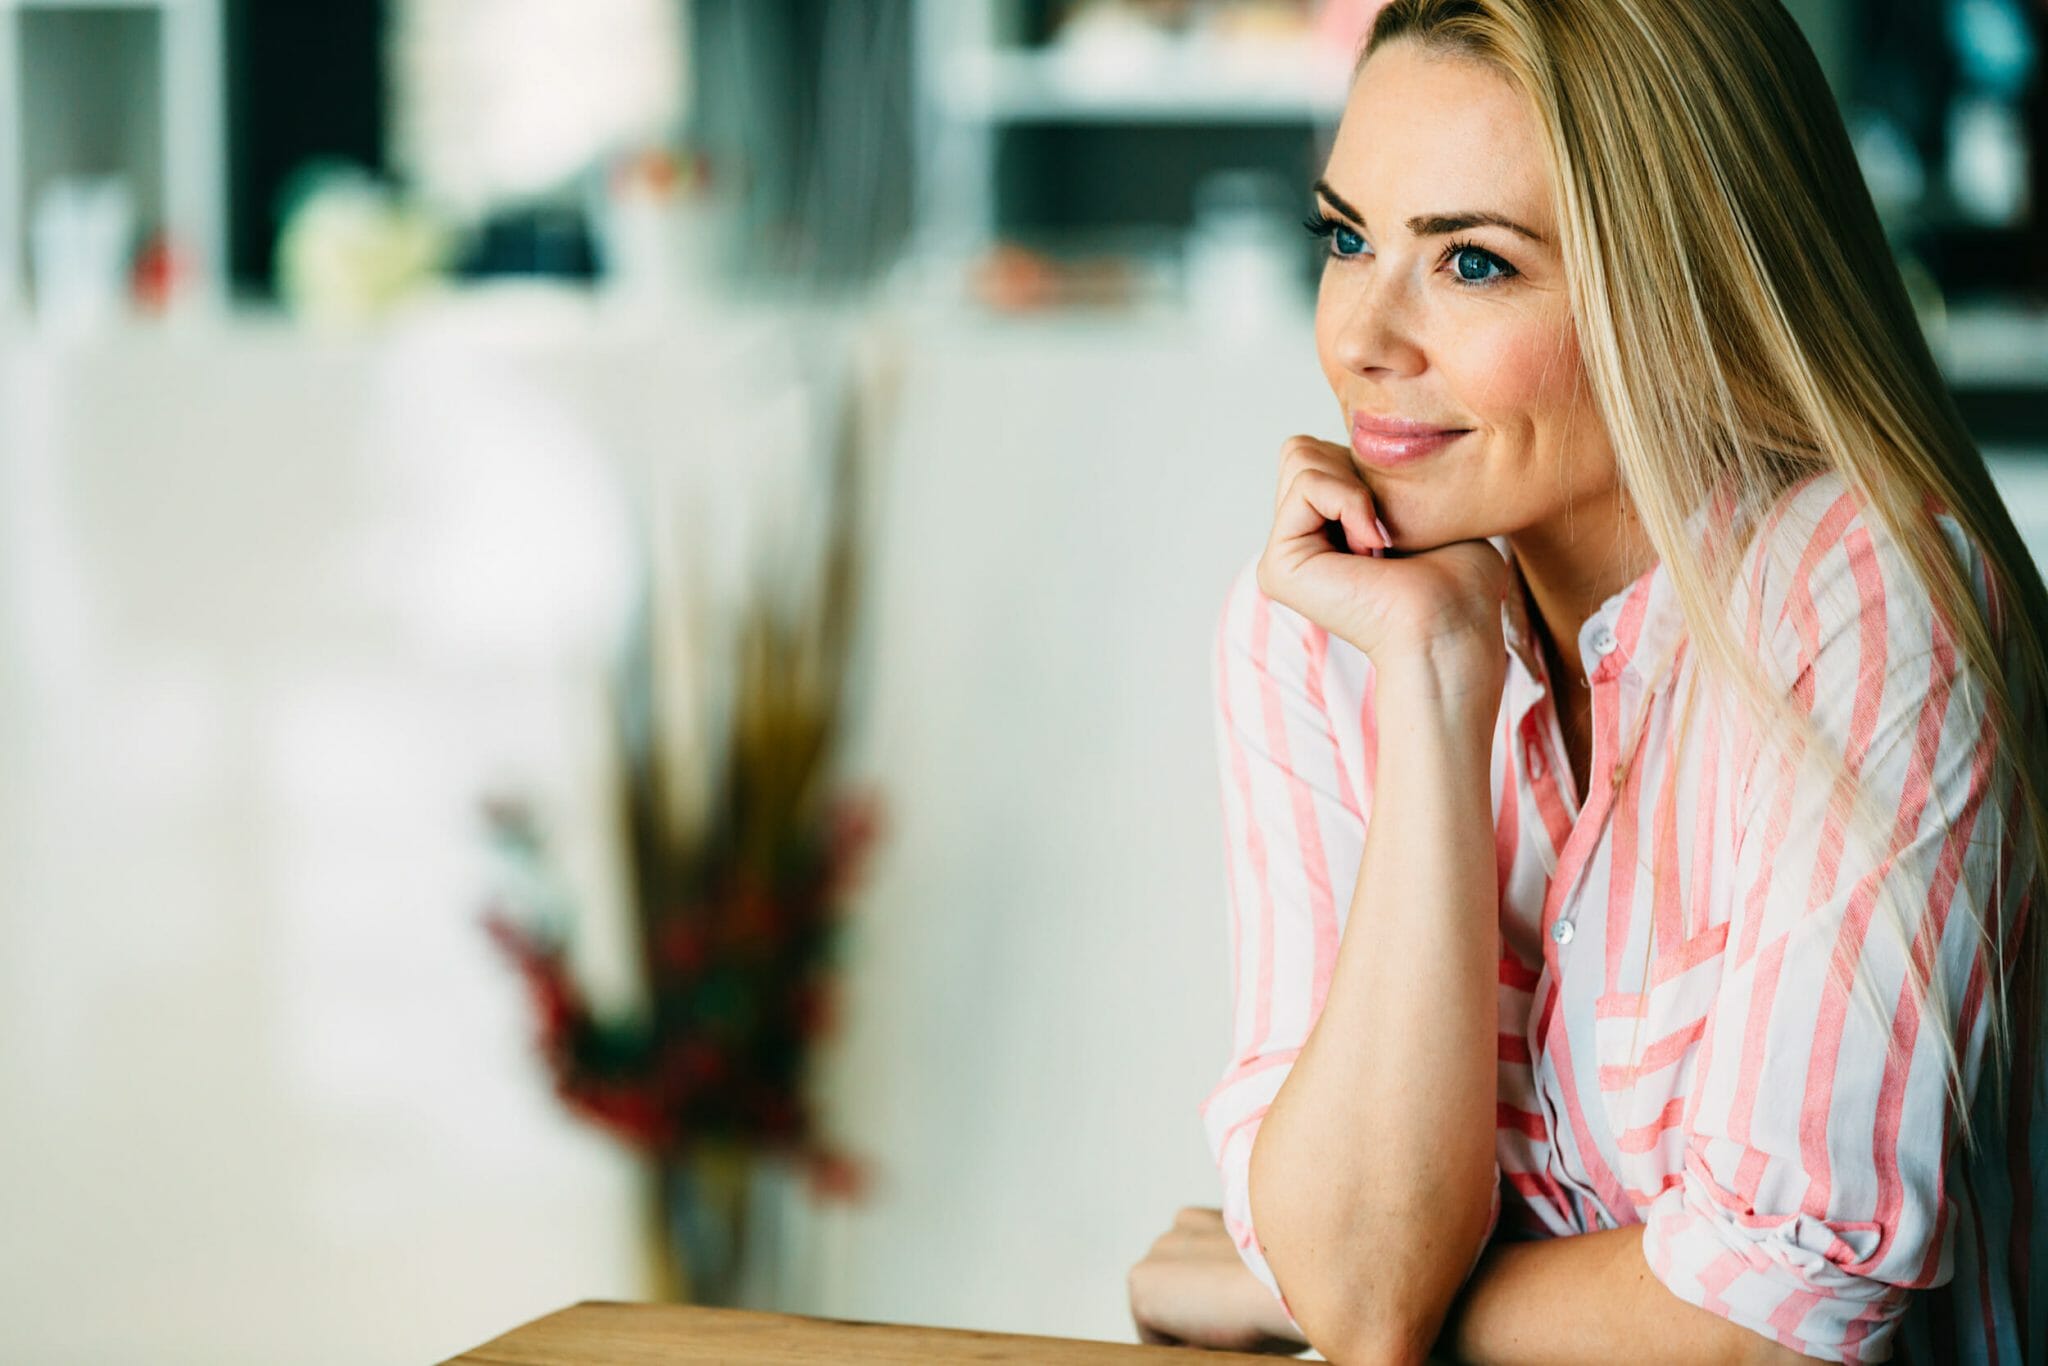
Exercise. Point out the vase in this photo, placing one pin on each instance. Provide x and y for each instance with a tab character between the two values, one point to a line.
720	1226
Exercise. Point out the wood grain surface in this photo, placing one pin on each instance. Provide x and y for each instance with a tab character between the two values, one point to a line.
598	1331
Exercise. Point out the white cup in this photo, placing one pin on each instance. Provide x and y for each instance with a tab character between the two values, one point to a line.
82	243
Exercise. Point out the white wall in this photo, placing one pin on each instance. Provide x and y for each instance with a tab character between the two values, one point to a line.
1044	999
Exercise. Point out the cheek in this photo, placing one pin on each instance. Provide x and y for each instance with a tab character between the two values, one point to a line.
1330	303
1520	376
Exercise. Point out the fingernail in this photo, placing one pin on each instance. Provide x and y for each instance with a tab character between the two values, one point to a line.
1386	537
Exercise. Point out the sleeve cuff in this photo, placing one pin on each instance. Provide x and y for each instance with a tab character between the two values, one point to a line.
1781	1277
1492	1226
1247	1242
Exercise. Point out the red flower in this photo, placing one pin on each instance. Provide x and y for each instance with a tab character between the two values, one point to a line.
755	916
734	955
558	1003
853	825
627	1111
835	1175
682	947
815	1010
701	1061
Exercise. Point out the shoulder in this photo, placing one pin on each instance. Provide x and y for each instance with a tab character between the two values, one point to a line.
1825	576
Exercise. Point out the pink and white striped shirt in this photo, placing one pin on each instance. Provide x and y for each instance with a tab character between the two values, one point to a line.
1788	1155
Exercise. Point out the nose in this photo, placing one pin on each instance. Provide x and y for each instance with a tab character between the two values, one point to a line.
1378	330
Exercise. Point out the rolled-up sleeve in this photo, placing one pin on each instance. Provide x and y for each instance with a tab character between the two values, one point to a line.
1295	804
1812	1202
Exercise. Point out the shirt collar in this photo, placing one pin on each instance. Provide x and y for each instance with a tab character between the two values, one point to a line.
1643	616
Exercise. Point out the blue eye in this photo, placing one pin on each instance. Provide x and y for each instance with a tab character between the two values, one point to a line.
1344	243
1472	264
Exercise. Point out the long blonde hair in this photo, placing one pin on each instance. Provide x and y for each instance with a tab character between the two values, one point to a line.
1744	326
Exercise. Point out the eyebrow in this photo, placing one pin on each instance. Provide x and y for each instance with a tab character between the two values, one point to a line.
1436	224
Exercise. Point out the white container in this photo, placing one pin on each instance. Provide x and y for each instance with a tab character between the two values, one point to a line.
1244	260
81	246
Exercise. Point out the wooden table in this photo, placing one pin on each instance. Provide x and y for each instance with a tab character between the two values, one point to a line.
597	1332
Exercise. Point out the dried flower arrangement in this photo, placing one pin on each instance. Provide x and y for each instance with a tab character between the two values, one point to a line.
737	896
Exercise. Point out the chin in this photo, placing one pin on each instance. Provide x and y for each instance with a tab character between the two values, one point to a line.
1419	532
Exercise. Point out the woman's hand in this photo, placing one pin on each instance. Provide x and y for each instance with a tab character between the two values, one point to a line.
1193	1290
1438	608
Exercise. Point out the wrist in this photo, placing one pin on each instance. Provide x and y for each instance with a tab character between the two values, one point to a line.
1458	683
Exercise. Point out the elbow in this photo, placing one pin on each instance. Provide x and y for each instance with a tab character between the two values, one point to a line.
1384	1345
1756	1350
1363	1290
1354	1335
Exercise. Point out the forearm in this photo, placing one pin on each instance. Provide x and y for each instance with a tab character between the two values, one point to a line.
1372	1173
1584	1300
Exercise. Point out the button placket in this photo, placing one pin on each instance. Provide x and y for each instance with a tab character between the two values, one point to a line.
1596	804
1532	749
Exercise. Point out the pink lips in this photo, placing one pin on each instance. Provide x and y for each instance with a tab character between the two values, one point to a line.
1388	441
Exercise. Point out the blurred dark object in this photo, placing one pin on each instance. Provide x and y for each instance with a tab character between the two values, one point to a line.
1906	68
805	108
305	83
738	906
1909	69
2009	415
2036	250
552	241
1973	263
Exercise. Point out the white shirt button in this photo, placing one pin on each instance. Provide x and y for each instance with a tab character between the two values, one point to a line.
1561	931
1603	641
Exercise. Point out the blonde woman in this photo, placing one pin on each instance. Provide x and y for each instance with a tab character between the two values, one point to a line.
1631	748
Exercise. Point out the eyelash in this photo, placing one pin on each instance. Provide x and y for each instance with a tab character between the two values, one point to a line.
1322	225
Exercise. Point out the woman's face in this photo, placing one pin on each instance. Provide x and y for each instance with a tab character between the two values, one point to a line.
1429	317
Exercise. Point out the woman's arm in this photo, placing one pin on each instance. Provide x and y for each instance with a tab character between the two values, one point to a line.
1373	1177
1585	1300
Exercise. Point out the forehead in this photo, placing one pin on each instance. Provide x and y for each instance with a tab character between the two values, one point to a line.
1430	133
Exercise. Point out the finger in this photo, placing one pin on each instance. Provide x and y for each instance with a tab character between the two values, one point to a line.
1300	453
1152	1337
1316	497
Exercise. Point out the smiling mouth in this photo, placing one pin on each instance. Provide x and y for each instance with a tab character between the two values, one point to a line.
1387	445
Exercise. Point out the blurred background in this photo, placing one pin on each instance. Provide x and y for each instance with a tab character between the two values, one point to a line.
605	626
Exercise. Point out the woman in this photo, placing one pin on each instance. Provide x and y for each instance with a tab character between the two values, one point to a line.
1665	622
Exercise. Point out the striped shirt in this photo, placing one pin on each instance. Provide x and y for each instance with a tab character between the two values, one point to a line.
1673	1051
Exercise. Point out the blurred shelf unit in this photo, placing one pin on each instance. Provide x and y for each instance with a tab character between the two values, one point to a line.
986	72
132	90
1987	346
1191	86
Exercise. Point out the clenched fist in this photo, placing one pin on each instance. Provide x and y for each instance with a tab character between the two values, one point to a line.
1330	559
